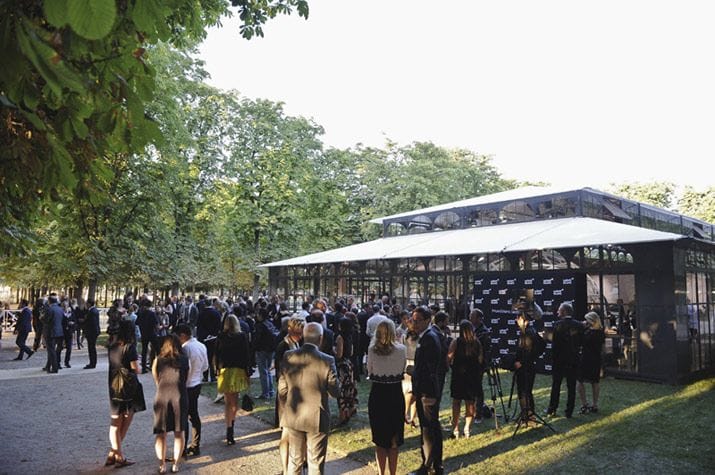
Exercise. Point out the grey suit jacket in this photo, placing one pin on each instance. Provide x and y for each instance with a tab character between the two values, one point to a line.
307	378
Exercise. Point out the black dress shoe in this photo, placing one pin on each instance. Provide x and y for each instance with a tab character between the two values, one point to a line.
67	365
89	366
193	451
19	358
32	352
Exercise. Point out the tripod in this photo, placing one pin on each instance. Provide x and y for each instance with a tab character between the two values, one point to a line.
528	412
496	390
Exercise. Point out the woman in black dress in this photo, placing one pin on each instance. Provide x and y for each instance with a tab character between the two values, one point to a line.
465	358
347	397
386	404
590	365
171	404
123	366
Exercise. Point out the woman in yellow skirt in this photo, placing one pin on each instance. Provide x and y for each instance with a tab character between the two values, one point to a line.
232	359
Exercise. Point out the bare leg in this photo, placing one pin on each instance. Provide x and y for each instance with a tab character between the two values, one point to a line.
160	450
456	408
596	389
581	393
230	408
392	460
178	447
126	421
115	439
470	409
380	458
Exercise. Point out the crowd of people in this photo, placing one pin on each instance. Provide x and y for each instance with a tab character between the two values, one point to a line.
318	352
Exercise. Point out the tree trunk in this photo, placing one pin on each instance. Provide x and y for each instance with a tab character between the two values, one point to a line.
92	289
257	254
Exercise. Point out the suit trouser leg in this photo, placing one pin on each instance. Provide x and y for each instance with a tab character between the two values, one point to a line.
92	350
431	434
557	377
194	417
68	347
52	361
145	350
297	445
317	447
20	342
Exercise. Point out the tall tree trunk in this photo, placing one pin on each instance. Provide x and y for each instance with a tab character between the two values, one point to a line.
92	289
79	289
257	254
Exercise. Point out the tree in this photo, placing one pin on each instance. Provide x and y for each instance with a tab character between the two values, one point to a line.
75	82
661	194
698	204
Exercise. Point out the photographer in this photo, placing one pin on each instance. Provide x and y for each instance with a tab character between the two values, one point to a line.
483	335
529	348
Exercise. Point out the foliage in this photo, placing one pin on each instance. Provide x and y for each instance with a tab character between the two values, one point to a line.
661	194
75	82
698	204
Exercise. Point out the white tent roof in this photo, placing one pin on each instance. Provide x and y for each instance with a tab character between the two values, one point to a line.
546	234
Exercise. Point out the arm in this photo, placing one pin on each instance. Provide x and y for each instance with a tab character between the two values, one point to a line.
154	373
333	386
451	351
339	347
370	362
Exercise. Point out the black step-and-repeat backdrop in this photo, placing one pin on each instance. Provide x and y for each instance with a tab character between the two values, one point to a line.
496	294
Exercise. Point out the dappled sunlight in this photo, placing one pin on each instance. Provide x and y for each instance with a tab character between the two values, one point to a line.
552	449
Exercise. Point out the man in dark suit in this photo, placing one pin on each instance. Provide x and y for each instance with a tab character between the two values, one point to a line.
55	336
426	391
91	333
566	346
208	327
23	327
147	323
308	377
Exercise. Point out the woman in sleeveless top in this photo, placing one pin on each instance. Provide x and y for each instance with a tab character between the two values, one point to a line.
386	404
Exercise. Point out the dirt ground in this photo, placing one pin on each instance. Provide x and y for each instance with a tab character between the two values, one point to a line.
59	423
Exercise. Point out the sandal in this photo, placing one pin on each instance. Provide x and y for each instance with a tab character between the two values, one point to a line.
174	468
111	459
585	409
162	468
125	462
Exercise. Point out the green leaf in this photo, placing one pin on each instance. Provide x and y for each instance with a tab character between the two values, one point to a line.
91	19
56	12
149	16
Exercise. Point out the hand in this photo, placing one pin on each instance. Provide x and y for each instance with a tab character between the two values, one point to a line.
517	365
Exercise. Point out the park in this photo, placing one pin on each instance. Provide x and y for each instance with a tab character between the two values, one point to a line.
290	151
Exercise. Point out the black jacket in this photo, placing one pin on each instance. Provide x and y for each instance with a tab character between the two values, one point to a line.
566	345
427	357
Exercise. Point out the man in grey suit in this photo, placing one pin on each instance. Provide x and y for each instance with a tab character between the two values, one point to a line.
307	378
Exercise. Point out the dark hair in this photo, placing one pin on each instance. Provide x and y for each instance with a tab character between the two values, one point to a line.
170	347
424	312
476	313
317	316
24	302
53	299
90	302
183	329
441	317
338	307
305	306
126	332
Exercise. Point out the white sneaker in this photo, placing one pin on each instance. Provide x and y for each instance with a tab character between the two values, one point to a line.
219	399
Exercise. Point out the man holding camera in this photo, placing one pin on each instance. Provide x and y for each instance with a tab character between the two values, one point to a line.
566	346
529	348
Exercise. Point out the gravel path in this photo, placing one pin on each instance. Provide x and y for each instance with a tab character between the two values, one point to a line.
58	423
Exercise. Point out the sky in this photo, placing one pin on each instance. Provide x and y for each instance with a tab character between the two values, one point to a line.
567	92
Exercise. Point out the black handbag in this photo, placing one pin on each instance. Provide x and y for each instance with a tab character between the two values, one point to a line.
247	403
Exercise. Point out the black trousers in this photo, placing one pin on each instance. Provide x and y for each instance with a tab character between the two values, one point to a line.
54	347
210	375
92	349
431	435
67	344
557	376
20	342
525	386
480	393
146	341
194	417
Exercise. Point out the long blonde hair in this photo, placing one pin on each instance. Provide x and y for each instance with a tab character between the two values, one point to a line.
383	342
231	325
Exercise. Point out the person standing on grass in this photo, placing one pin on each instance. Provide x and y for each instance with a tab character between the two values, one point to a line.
386	403
198	363
566	347
308	377
231	359
589	370
466	360
347	398
426	391
23	327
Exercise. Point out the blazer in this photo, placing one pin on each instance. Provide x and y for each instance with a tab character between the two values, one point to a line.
91	324
308	377
566	345
427	362
54	318
24	322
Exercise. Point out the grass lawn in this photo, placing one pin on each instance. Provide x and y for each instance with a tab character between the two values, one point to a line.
640	428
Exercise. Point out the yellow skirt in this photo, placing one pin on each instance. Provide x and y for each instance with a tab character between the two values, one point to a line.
232	380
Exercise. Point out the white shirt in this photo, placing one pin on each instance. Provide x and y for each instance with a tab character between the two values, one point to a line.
198	361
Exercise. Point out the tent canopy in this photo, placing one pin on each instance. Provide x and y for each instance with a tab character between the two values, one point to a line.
513	237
